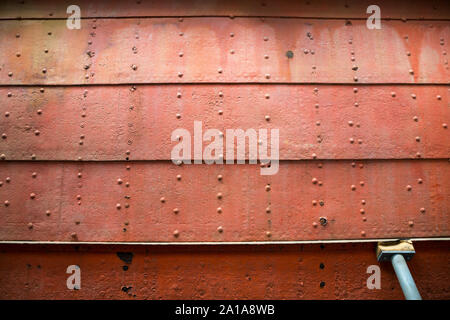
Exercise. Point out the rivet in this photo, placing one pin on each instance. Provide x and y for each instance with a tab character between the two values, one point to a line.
267	76
416	119
8	179
219	195
317	123
2	156
219	177
176	233
34	174
361	183
179	177
231	34
267	118
314	202
350	123
119	181
418	139
44	70
219	210
362	211
319	165
78	197
80	175
220	229
30	226
314	180
134	67
32	195
48	213
410	223
37	132
6	203
178	116
363	233
354	68
266	56
268	210
73	235
393	94
9	94
267	96
364	219
266	38
6	114
267	187
356	104
438	97
118	206
351	140
180	74
219	70
314	156
444	125
363	202
17	35
355	79
408	187
353	187
220	112
314	224
46	50
220	94
10	74
418	155
422	210
176	210
4	136
268	234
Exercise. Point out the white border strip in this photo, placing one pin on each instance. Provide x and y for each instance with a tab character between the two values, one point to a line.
18	242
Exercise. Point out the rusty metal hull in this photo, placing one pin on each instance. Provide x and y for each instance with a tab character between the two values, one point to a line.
351	122
165	50
86	118
230	272
159	201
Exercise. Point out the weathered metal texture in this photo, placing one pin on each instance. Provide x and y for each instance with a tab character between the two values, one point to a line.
167	50
399	9
337	271
159	201
345	122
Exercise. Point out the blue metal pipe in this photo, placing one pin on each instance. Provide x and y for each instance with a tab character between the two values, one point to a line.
405	278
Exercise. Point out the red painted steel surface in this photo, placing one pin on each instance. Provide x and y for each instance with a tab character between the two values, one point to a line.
230	272
116	89
159	201
399	9
385	122
223	50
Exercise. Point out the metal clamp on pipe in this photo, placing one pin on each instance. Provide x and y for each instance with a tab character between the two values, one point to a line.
398	252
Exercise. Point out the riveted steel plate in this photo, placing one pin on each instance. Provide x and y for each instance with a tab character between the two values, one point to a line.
344	122
330	271
400	9
165	50
159	201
